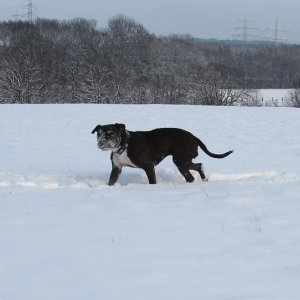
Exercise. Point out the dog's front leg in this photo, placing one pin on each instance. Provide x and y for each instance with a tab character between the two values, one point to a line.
114	175
150	172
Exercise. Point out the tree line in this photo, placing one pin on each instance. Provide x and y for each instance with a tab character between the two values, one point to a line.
51	61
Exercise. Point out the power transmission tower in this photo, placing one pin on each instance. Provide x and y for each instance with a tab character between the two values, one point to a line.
276	36
245	29
17	15
30	10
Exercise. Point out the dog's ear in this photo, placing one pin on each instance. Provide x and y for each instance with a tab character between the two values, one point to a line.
120	126
96	129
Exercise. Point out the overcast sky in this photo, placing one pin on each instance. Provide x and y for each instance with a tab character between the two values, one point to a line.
199	18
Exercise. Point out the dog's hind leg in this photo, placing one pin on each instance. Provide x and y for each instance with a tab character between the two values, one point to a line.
186	174
183	168
199	168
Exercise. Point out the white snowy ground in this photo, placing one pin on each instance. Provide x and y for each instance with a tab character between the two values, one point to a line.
64	234
273	97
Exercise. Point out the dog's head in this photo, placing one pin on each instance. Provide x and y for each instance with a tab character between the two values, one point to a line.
109	136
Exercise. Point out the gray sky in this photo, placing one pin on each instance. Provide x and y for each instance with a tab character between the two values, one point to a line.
199	18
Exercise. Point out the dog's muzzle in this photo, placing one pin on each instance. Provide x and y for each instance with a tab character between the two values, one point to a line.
108	144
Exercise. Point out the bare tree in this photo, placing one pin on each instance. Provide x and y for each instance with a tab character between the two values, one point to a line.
293	98
50	61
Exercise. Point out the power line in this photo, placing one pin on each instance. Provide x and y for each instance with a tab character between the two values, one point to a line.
274	37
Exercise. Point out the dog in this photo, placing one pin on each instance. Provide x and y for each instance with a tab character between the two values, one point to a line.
146	149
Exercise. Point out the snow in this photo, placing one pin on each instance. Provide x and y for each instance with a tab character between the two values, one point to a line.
66	235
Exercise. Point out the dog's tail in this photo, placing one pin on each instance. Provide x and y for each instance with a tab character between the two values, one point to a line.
205	150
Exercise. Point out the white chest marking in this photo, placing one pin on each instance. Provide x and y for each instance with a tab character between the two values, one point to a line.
123	160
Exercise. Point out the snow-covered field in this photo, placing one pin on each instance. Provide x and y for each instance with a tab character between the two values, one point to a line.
64	234
273	97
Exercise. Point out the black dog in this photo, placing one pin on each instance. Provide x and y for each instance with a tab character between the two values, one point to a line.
146	149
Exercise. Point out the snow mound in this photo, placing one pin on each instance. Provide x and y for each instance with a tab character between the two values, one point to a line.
267	176
164	176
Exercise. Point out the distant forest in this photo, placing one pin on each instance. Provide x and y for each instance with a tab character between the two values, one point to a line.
51	61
